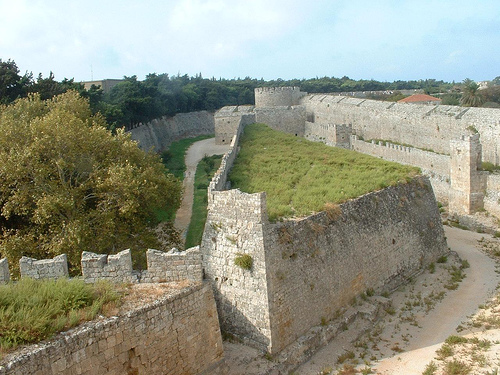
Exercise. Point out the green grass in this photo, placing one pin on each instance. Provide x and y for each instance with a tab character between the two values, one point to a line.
33	310
204	173
300	176
173	159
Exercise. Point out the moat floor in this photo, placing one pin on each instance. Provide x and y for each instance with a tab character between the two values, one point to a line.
423	315
194	154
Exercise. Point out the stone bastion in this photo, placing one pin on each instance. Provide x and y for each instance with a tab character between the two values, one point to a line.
306	270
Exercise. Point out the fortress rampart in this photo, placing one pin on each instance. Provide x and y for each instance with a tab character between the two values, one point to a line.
376	241
160	133
430	133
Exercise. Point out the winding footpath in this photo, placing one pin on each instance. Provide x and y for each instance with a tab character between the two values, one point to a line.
194	154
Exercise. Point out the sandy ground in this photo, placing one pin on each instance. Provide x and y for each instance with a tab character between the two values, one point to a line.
423	315
194	154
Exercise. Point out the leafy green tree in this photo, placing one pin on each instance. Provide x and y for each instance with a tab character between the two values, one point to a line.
471	97
69	185
12	84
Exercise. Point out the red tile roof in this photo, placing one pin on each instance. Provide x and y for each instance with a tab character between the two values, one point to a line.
419	98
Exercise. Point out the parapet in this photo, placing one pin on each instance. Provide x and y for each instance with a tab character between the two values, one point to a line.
44	269
162	266
173	266
115	268
4	271
277	96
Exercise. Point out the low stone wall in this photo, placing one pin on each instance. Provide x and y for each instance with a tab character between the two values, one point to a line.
162	267
173	266
115	268
435	166
160	133
45	268
177	334
228	119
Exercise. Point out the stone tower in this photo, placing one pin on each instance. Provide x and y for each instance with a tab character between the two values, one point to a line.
468	183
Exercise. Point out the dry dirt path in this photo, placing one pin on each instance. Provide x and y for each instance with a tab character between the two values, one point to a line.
419	341
194	154
458	305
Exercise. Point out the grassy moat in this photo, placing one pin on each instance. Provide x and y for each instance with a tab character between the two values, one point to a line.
300	176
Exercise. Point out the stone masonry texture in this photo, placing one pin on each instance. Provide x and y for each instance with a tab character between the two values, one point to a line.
177	334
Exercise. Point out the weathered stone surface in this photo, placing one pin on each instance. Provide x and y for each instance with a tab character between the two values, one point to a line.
177	334
44	269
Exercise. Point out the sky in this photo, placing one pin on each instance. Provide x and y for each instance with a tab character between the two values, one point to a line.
384	40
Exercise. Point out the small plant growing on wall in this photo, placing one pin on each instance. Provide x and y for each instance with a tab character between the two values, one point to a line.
244	261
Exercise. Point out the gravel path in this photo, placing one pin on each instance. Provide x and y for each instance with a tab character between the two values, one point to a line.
194	154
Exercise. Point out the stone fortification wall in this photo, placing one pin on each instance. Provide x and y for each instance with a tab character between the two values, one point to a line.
44	269
286	119
173	266
317	265
234	227
177	334
376	241
435	166
277	96
329	134
162	267
492	196
422	126
228	119
160	133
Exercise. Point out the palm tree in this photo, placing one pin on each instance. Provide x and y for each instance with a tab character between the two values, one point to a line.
470	95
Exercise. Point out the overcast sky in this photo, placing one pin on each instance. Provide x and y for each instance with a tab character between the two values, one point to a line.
364	39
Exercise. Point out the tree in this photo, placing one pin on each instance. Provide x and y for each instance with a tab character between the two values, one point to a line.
12	85
69	185
470	94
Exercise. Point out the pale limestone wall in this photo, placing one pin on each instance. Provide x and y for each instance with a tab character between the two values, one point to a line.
177	334
317	265
227	121
422	126
468	183
4	271
329	134
114	268
234	226
160	133
290	120
44	269
492	197
435	166
173	266
277	96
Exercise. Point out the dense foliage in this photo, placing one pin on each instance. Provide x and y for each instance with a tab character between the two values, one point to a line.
301	177
69	185
33	310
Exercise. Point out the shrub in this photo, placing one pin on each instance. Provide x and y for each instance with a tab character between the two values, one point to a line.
244	261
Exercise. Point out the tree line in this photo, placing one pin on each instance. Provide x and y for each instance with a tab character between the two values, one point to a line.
133	101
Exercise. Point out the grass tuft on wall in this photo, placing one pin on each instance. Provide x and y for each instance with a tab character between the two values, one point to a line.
300	176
